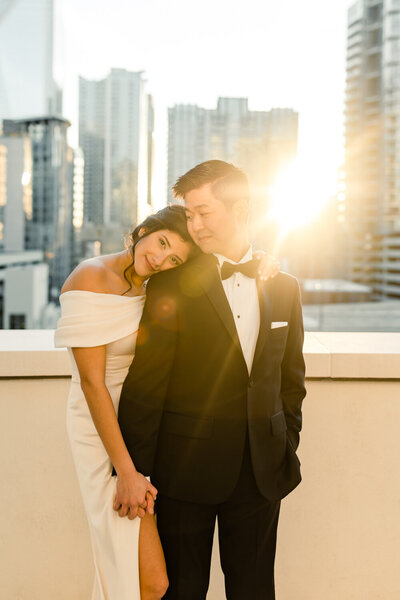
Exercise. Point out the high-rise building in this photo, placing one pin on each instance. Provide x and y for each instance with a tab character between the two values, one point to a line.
3	191
31	61
115	133
262	143
16	192
150	150
372	138
78	187
49	225
92	100
189	140
23	289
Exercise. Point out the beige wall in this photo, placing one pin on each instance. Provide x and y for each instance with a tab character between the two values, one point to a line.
45	551
339	533
339	536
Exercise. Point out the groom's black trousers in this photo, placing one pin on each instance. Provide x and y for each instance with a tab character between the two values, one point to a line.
247	525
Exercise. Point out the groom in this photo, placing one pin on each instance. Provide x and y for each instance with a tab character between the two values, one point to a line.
211	407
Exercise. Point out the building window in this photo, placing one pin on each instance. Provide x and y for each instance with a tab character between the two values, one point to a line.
17	322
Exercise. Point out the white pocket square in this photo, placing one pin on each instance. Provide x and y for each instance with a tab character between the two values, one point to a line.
276	324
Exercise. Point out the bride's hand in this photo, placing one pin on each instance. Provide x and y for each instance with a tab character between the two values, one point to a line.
134	494
269	266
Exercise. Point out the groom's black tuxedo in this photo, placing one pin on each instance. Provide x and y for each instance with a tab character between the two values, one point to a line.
188	400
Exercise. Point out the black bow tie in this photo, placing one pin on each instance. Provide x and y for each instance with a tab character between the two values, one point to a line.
248	268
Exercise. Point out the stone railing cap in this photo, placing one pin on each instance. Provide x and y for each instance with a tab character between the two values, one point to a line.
348	355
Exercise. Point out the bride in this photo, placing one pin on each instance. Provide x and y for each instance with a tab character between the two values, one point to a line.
101	306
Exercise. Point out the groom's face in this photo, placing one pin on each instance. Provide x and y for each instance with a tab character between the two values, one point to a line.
211	223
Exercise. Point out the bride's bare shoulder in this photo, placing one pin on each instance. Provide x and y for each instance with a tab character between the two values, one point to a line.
90	275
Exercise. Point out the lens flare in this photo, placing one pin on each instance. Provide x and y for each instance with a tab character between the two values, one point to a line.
297	197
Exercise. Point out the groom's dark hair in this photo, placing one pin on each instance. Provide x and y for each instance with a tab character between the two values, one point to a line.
229	182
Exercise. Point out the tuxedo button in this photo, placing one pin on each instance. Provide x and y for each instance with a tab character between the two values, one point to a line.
251	382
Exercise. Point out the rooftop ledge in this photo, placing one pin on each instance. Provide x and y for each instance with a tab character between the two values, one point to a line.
344	355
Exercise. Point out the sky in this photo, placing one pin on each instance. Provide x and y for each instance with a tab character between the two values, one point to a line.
277	54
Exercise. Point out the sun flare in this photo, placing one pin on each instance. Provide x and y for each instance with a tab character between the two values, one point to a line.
297	197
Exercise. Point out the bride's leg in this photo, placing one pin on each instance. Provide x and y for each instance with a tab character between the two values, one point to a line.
152	569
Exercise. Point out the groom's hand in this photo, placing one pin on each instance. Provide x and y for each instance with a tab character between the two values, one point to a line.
134	495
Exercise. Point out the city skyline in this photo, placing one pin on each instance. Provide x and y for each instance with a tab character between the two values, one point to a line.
261	54
325	196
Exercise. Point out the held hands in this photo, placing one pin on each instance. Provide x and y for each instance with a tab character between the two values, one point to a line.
135	495
268	267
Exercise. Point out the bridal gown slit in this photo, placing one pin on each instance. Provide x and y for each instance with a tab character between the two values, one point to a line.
91	319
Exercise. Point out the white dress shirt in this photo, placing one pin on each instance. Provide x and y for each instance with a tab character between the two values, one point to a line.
241	292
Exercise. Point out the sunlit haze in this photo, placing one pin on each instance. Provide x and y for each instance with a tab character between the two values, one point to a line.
287	54
298	195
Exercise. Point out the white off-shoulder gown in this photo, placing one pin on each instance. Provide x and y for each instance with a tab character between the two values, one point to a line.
90	319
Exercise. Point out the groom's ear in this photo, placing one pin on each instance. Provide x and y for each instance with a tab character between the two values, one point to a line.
241	210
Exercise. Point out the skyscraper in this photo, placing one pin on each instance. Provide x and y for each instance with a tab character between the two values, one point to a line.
48	226
3	190
31	62
188	140
16	195
372	138
114	133
92	95
263	143
150	150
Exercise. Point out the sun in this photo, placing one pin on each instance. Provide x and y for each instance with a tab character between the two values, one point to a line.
297	196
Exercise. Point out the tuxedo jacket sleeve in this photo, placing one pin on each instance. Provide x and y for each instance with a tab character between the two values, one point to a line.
144	389
293	371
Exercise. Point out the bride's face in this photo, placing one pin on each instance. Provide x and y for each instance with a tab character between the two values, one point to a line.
159	251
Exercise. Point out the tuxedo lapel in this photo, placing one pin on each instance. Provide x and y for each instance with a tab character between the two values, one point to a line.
265	301
210	280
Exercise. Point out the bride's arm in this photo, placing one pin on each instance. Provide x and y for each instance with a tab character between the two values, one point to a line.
132	486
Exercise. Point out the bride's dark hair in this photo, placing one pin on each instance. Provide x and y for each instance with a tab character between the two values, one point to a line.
173	218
